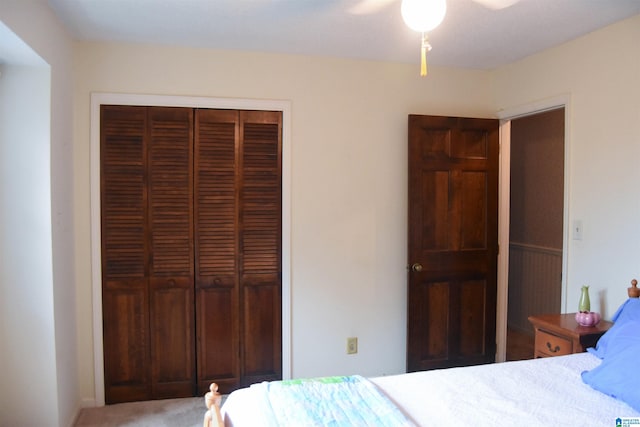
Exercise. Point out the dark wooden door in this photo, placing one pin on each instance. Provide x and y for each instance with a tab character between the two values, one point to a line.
125	283
238	245
191	250
453	241
260	246
171	252
147	253
217	287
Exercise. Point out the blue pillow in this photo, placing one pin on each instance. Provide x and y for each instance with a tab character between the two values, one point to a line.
629	311
618	375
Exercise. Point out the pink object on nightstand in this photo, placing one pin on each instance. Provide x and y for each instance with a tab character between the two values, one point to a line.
587	318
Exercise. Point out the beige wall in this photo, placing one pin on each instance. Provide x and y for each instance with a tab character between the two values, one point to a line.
37	283
600	74
348	170
26	282
349	173
348	189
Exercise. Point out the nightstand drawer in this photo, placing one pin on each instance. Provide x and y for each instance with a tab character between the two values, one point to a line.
560	334
552	345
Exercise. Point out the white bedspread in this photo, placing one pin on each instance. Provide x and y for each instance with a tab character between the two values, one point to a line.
536	393
540	392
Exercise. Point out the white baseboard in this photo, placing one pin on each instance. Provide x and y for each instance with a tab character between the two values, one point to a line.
88	402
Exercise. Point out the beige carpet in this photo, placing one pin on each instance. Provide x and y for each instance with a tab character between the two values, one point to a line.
188	412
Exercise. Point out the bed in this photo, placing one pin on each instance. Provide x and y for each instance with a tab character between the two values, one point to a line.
597	388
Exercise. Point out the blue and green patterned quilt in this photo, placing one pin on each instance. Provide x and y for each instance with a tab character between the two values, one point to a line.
330	401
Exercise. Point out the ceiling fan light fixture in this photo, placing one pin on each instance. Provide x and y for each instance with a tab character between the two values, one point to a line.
423	15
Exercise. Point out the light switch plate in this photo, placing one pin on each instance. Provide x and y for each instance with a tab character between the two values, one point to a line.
577	229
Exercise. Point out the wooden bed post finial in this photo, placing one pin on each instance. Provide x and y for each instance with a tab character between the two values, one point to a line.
633	291
213	418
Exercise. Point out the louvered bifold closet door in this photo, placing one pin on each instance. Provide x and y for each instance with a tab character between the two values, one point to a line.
260	245
216	224
238	247
147	252
170	186
125	291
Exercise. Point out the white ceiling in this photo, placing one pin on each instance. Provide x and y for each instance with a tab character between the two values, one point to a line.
471	35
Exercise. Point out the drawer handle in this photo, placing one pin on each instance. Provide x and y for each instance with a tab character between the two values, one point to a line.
554	349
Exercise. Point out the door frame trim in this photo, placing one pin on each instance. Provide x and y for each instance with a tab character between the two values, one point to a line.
98	99
506	116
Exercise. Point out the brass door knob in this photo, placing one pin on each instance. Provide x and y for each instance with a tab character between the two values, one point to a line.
417	267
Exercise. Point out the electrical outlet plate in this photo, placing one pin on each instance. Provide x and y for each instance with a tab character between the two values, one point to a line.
352	345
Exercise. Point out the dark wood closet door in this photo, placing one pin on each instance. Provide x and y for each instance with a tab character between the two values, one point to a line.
147	253
260	250
238	247
125	278
453	241
217	285
191	250
171	253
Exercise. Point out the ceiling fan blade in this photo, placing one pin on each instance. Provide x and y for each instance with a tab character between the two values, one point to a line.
496	4
366	7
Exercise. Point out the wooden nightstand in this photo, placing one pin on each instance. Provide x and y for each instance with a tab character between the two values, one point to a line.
560	334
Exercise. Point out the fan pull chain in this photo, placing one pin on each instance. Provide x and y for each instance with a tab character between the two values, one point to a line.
425	48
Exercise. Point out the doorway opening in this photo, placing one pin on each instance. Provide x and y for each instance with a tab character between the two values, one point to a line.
533	221
535	226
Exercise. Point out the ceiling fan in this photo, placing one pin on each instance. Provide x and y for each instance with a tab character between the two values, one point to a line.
364	7
421	16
